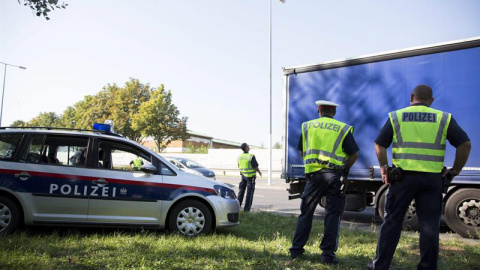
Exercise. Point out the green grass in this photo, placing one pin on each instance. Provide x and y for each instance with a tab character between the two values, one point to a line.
260	242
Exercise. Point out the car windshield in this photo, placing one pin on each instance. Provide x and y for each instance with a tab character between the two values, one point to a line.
190	163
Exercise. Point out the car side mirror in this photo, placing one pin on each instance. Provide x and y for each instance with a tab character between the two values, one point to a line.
149	168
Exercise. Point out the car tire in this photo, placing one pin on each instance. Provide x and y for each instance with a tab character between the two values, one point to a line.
9	216
190	218
462	212
410	221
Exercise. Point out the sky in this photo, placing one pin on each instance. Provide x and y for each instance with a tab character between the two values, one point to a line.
213	55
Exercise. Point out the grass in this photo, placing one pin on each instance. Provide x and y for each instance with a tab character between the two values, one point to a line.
261	241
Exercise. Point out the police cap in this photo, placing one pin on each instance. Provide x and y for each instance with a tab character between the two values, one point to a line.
325	103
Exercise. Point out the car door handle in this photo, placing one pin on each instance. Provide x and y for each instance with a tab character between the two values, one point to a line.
100	182
23	176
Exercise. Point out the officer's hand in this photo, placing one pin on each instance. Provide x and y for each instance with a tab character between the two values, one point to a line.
384	175
447	171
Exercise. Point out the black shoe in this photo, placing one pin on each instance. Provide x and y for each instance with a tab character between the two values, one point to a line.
329	261
370	266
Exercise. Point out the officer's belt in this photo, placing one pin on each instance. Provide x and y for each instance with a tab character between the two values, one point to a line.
325	170
416	172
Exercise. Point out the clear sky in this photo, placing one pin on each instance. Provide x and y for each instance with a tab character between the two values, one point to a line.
213	55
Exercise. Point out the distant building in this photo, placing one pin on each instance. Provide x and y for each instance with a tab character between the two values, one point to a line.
197	140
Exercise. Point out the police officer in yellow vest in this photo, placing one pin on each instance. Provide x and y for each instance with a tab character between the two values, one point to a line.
248	169
136	164
328	149
419	134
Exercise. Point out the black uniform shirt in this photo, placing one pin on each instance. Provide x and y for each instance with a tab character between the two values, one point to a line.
349	145
455	134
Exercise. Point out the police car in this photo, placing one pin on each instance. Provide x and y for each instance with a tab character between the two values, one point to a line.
73	177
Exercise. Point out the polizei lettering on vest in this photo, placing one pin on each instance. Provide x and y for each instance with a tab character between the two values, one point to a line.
322	125
76	190
419	117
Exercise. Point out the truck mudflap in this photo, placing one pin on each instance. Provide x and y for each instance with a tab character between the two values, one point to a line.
296	188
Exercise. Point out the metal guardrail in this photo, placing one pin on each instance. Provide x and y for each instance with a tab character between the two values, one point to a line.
230	171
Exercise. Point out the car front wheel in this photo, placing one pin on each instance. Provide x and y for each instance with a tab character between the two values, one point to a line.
190	218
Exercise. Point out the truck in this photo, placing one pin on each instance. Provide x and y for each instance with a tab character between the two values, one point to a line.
367	89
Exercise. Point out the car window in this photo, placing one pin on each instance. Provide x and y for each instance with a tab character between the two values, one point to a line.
190	163
177	164
8	145
121	156
57	150
164	170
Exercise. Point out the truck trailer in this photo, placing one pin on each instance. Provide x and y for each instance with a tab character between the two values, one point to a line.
367	89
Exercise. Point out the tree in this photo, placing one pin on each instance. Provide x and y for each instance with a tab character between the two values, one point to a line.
18	123
91	109
68	118
277	145
45	119
126	103
159	118
43	7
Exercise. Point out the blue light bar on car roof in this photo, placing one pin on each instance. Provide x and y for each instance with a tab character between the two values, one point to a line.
102	127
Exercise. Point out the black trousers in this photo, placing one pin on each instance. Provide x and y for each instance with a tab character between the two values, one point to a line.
247	183
319	185
426	189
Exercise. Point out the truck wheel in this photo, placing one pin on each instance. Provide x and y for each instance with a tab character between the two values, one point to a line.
190	218
462	212
9	216
410	221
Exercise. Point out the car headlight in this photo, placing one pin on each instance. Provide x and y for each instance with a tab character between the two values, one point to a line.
225	192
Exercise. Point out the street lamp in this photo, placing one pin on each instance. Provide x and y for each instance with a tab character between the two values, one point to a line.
270	136
3	90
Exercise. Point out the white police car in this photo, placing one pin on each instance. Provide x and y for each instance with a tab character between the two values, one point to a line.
65	177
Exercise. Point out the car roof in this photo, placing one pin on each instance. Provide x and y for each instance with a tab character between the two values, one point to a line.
53	131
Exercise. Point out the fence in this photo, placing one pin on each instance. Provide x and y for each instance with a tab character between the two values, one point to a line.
224	161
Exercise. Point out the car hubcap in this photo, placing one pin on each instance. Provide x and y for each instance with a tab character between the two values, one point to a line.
5	217
469	213
190	221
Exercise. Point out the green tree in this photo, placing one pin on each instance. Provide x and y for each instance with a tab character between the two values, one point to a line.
18	123
277	145
45	119
159	118
93	108
126	103
43	7
68	118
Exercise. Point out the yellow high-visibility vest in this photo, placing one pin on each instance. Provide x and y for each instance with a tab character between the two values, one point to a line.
245	165
137	164
322	144
419	138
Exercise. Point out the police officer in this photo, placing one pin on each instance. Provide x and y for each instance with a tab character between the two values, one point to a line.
248	169
328	148
419	135
136	164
